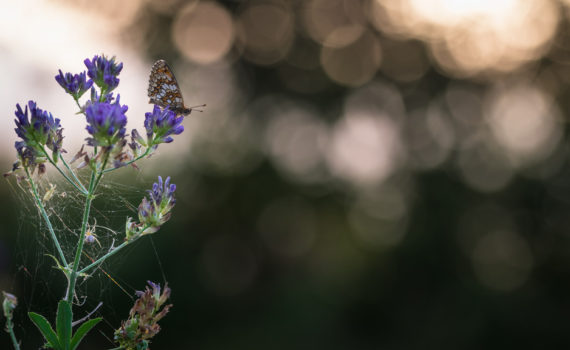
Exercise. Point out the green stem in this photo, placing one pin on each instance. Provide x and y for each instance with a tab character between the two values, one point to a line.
108	255
79	187
93	182
10	330
103	92
79	250
146	153
45	216
73	175
78	105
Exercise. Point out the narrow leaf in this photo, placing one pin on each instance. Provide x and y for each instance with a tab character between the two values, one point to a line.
63	324
46	330
82	331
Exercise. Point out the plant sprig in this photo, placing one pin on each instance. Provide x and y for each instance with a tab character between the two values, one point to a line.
41	142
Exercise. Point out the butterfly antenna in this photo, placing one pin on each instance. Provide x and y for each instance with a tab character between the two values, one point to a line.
198	110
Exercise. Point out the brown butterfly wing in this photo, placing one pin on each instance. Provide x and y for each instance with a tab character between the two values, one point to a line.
163	89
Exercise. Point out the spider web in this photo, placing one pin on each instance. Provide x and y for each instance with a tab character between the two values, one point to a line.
40	285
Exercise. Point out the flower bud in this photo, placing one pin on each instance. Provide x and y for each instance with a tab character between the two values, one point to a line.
155	210
9	304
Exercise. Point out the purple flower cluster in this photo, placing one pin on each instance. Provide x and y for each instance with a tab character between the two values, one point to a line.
162	194
74	84
104	72
106	122
37	129
153	211
101	71
160	124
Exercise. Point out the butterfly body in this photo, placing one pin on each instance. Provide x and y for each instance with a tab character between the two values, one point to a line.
163	89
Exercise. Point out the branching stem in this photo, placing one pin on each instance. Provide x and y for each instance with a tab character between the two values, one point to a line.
74	176
75	181
93	182
108	255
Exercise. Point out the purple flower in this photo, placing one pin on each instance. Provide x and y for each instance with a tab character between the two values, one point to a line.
155	210
75	85
162	194
104	72
26	155
39	129
104	98
160	124
106	123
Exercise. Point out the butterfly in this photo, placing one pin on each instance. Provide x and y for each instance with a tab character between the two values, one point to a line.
163	89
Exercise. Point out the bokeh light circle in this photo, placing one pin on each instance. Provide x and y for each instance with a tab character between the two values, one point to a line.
363	148
266	31
203	33
334	23
469	38
354	64
525	122
295	139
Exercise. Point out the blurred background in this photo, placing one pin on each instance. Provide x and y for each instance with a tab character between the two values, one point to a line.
375	174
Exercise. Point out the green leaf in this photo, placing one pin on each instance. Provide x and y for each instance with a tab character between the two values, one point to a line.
82	331
46	330
63	324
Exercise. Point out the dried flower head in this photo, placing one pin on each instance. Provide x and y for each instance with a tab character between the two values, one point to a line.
142	324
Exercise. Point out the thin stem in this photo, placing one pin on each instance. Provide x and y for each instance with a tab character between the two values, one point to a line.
108	255
45	216
78	105
101	172
114	251
80	189
10	330
146	153
73	175
93	182
87	208
81	320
